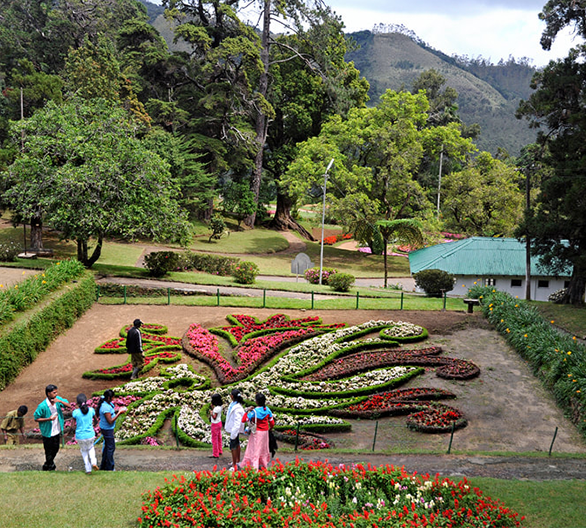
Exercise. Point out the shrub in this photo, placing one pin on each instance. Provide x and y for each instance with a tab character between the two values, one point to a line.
312	275
557	296
245	272
341	281
218	228
213	264
433	281
160	262
9	251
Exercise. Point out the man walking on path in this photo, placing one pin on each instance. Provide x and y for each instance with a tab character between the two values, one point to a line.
134	348
13	423
49	415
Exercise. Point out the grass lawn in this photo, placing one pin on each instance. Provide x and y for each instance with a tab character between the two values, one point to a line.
571	318
113	500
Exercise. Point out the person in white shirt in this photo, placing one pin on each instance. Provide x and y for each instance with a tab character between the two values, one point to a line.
216	421
234	425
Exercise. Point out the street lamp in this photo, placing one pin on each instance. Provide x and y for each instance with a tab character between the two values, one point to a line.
323	219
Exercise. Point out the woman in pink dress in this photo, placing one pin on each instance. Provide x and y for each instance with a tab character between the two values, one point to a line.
257	451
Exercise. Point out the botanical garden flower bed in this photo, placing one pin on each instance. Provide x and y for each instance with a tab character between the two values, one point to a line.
321	495
314	376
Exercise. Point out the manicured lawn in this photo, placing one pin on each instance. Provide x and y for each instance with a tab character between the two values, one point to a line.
113	500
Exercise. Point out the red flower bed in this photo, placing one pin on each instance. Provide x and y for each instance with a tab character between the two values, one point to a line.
448	368
127	367
247	324
202	344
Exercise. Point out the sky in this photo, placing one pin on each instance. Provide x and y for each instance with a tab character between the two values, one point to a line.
493	29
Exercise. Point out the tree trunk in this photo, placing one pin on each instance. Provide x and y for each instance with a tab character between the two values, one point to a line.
96	253
575	293
385	259
82	251
36	232
283	221
261	124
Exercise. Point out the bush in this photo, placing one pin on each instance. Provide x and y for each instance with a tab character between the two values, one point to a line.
312	275
341	281
213	264
218	228
22	342
245	272
160	262
557	296
433	281
9	251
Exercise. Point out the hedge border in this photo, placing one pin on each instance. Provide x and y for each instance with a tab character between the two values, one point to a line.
20	346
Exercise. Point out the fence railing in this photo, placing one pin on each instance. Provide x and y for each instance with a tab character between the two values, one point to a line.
279	299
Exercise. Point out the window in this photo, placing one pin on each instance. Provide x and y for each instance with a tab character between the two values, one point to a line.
543	284
490	282
516	283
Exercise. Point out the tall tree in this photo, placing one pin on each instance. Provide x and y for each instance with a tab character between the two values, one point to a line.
84	168
377	152
483	199
557	225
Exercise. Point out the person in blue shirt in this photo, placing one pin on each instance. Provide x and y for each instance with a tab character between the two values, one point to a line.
49	416
108	416
84	419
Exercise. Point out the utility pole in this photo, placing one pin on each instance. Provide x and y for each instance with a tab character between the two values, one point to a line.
527	237
323	220
439	185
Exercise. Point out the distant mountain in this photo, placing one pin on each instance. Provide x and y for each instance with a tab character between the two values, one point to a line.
488	94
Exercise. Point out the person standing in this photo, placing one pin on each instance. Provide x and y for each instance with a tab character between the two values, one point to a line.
84	418
108	417
49	415
13	423
134	348
257	451
216	422
234	425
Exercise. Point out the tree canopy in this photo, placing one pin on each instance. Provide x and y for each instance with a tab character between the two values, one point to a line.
84	168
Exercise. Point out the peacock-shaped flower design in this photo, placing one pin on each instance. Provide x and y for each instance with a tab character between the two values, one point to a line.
313	374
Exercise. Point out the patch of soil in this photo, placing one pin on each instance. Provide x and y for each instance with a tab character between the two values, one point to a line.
506	407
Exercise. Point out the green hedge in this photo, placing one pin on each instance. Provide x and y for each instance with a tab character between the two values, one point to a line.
557	359
21	344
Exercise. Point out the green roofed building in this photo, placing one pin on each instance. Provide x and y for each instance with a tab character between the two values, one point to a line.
498	262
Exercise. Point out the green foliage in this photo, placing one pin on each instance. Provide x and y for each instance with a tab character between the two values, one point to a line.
26	294
238	200
160	263
245	272
218	228
556	224
483	199
21	343
84	168
213	264
312	275
434	282
341	281
9	251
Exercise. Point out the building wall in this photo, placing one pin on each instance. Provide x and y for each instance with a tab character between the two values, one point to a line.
541	287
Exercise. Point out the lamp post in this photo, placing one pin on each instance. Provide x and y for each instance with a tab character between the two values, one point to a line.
323	219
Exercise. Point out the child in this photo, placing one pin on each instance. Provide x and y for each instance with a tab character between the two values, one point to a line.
12	423
216	420
84	418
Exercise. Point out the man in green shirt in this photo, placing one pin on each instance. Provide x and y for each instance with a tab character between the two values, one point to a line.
49	415
12	423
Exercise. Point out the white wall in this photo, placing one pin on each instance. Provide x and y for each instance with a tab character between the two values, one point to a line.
464	283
